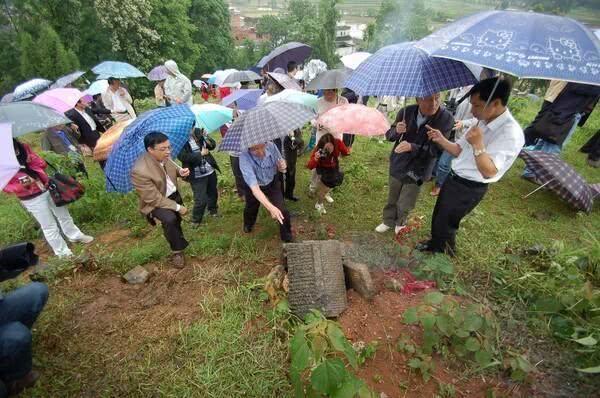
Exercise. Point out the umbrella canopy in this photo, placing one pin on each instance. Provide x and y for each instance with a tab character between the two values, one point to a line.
351	61
65	80
244	99
404	70
295	97
354	119
523	44
6	98
108	139
241	76
312	69
30	88
200	83
285	81
175	121
119	70
556	175
280	56
27	117
97	87
59	99
331	79
206	76
158	73
8	160
211	117
219	77
265	123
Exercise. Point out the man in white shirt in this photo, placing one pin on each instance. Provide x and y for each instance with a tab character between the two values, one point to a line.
118	101
482	156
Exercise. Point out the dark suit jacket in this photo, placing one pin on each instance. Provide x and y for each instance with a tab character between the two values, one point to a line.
88	136
424	152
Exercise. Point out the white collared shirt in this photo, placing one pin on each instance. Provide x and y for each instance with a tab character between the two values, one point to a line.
502	138
118	103
87	118
171	187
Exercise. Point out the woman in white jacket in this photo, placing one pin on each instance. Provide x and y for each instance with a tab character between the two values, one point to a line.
178	88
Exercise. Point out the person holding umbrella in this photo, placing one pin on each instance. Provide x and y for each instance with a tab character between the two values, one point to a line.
482	156
413	157
118	101
260	165
30	186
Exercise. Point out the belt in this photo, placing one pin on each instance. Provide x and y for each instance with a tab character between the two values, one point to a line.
467	183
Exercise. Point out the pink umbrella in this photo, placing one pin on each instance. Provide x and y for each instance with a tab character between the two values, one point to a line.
59	99
9	166
354	119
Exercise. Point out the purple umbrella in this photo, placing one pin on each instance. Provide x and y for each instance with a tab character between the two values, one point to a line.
245	99
158	73
280	56
557	176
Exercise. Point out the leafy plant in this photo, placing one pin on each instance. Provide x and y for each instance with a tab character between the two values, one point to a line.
322	359
365	351
437	267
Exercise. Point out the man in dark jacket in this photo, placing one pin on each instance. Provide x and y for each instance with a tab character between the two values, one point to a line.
88	123
413	157
291	145
196	156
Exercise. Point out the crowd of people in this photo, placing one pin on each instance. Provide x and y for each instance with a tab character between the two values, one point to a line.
464	147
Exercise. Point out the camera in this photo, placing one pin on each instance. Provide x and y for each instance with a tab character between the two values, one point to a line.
323	153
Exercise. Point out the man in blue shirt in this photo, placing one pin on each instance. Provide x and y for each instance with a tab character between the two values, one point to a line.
260	165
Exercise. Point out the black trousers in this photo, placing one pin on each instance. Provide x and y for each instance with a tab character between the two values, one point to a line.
205	194
240	184
457	198
171	224
273	193
348	140
291	158
531	134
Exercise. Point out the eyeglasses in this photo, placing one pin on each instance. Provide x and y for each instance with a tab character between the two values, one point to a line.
163	149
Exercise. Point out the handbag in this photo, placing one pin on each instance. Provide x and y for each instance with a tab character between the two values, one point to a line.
64	189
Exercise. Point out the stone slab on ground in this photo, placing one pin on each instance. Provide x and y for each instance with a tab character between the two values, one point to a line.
136	275
359	278
316	277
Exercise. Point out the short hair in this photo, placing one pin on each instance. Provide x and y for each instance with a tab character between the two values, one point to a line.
154	138
485	89
111	80
291	66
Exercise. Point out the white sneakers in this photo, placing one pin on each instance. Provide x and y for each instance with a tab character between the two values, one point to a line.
381	228
83	239
320	208
328	198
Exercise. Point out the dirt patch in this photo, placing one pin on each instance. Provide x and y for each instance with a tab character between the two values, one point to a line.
388	372
115	238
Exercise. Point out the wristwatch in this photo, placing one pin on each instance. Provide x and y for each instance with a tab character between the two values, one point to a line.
477	152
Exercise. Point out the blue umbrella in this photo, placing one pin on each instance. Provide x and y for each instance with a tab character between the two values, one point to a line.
245	99
174	121
523	44
283	54
119	70
404	70
265	123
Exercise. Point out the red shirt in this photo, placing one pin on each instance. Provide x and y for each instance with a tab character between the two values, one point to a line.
36	164
330	161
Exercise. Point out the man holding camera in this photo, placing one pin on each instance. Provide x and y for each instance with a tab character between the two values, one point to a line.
413	157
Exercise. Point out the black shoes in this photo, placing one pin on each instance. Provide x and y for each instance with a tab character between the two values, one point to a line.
247	229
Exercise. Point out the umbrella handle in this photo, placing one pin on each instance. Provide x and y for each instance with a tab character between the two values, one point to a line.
537	189
175	164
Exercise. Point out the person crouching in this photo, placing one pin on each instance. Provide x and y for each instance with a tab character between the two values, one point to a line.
324	158
154	177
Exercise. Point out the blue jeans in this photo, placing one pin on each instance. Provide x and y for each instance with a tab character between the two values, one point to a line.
443	168
549	147
18	311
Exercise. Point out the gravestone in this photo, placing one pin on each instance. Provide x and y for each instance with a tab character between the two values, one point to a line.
316	277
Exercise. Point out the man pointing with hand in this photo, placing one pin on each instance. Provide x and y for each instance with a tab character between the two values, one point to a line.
482	156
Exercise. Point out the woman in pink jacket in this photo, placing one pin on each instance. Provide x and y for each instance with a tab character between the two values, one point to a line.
30	185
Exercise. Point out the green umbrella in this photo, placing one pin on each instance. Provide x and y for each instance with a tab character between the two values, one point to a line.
295	97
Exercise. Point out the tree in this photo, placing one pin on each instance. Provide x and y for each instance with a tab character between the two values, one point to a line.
213	34
329	16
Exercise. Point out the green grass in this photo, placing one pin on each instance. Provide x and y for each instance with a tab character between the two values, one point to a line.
216	355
